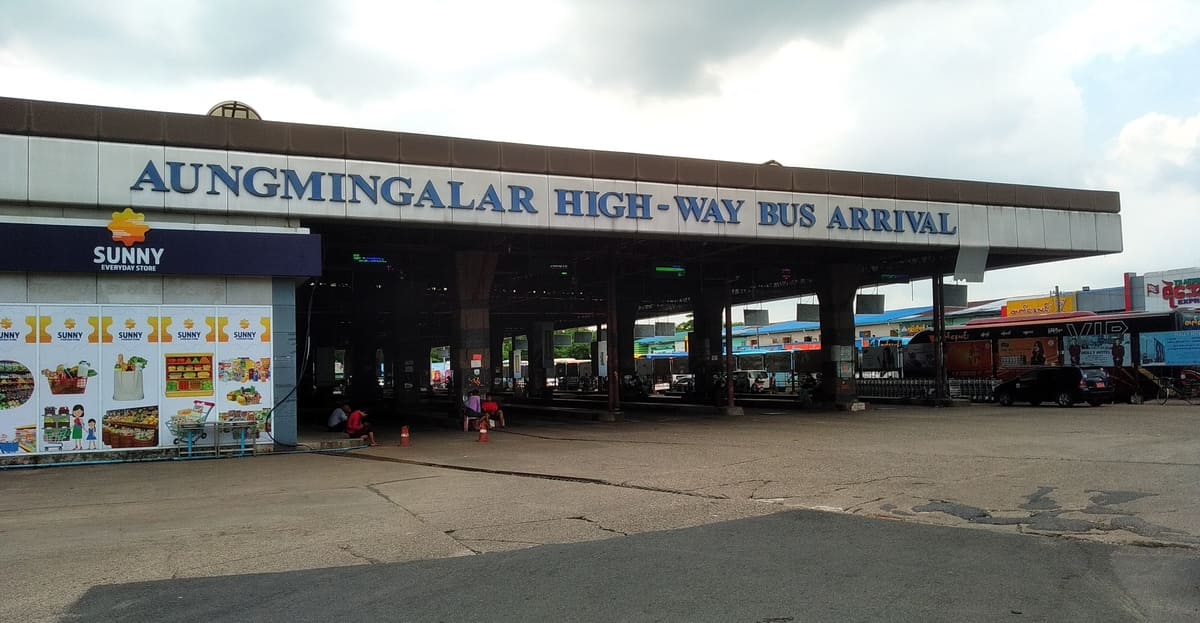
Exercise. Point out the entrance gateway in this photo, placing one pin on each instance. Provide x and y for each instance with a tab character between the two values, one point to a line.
161	267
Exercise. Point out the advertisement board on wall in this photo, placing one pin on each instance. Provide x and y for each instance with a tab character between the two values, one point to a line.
1170	348
78	378
1040	306
244	367
971	359
1166	290
1097	350
1021	352
18	379
68	386
129	377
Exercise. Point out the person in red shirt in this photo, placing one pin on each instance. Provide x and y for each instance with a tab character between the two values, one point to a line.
491	409
358	426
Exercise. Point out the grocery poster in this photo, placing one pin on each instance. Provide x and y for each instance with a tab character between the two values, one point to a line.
1110	351
130	377
244	370
1028	351
187	364
18	379
68	383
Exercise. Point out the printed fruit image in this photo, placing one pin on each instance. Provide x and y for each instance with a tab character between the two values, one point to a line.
69	380
244	396
131	364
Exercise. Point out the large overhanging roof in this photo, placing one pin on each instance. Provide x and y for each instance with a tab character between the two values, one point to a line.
854	217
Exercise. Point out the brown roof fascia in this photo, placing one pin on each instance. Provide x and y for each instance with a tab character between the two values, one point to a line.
123	125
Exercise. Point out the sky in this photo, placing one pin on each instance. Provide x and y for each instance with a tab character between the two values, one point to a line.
1072	93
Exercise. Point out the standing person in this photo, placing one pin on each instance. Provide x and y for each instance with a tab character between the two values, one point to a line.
1074	351
91	434
337	419
358	426
1118	353
77	426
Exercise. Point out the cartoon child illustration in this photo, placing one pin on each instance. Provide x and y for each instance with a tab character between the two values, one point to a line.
77	426
91	434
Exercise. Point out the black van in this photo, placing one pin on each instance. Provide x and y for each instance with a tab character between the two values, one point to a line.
1064	386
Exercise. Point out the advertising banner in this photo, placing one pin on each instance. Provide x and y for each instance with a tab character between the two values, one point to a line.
1040	306
1022	352
1170	348
244	367
68	385
18	379
1098	350
969	359
130	377
77	378
1169	289
187	360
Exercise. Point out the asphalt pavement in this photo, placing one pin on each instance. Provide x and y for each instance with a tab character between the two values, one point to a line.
979	513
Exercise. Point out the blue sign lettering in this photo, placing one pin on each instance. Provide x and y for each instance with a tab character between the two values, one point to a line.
405	192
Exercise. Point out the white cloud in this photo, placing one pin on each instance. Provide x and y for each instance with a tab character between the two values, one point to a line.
980	90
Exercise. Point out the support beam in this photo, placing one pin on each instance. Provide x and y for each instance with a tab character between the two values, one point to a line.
471	349
613	355
836	285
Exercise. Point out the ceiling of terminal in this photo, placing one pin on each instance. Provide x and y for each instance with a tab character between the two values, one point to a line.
406	274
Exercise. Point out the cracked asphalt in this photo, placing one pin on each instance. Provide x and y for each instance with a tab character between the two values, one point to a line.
1118	475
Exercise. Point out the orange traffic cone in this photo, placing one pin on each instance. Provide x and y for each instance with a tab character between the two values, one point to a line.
404	442
483	430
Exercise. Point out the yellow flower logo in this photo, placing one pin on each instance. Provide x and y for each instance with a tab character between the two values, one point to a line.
128	227
129	323
188	324
69	323
245	324
5	323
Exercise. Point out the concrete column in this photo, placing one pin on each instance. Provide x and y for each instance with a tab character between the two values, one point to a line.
470	350
541	357
496	348
409	349
836	286
285	359
705	340
612	354
364	390
627	306
939	340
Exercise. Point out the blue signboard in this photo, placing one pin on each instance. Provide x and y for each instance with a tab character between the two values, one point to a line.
129	246
1170	348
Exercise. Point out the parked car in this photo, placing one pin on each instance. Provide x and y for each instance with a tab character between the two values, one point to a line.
683	383
1064	386
754	381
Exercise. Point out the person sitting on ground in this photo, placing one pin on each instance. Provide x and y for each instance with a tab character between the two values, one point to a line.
337	419
491	409
358	426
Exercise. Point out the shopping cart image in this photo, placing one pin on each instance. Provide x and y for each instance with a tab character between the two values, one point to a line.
188	425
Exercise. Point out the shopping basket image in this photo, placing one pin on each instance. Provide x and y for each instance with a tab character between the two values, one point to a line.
188	424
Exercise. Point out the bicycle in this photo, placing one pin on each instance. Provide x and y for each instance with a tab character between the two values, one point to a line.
1186	387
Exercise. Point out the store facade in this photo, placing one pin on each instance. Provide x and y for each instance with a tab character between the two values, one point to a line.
124	330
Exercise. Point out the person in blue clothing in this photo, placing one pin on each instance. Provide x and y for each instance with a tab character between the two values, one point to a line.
91	434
